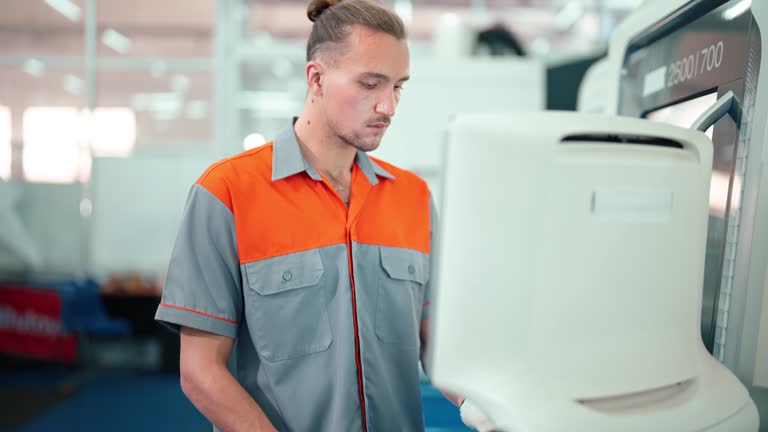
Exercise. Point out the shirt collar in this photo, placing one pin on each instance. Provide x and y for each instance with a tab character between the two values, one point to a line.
287	160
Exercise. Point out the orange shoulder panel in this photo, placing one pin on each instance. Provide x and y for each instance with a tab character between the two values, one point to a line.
220	178
397	212
273	218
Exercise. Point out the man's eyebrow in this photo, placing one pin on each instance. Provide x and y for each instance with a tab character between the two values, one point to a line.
381	76
375	75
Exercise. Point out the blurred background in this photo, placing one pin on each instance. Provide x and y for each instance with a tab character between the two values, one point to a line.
110	110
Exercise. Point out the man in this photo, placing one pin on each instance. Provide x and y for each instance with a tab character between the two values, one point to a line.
300	279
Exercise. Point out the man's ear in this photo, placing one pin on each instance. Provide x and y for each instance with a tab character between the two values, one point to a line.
315	72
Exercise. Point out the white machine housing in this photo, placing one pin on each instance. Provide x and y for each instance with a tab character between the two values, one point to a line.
579	239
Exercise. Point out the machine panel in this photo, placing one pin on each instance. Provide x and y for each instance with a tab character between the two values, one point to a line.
673	72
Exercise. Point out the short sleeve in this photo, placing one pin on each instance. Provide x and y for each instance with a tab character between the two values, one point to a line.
203	287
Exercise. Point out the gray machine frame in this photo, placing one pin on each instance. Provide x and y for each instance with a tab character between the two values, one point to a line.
732	297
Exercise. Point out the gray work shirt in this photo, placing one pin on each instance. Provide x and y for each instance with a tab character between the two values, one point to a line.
324	301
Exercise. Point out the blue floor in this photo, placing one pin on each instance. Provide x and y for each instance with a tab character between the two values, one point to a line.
142	403
439	414
150	402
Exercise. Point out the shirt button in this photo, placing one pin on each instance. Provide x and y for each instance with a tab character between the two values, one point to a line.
287	276
411	269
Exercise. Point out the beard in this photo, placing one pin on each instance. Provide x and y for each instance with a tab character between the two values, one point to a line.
362	143
368	144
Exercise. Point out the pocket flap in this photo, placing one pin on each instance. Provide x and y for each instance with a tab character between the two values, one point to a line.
405	264
286	272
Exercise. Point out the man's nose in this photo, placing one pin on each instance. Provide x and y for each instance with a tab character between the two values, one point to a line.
386	105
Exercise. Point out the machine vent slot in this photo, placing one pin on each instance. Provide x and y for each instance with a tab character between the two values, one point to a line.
623	139
667	397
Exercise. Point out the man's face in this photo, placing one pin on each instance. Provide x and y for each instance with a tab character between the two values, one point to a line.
362	87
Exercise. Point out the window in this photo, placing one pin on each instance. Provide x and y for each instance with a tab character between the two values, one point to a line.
113	131
51	152
57	140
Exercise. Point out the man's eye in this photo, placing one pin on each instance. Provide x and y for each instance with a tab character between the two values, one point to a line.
368	85
399	88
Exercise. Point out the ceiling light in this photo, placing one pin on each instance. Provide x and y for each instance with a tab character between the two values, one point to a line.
116	40
253	140
73	85
66	8
34	67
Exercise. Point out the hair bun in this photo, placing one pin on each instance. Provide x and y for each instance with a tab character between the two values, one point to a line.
317	7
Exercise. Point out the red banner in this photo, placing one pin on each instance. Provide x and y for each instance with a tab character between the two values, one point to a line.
30	324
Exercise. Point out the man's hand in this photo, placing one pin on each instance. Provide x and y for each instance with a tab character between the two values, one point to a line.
474	418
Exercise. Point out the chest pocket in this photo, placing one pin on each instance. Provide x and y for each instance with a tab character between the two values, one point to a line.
400	296
285	306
